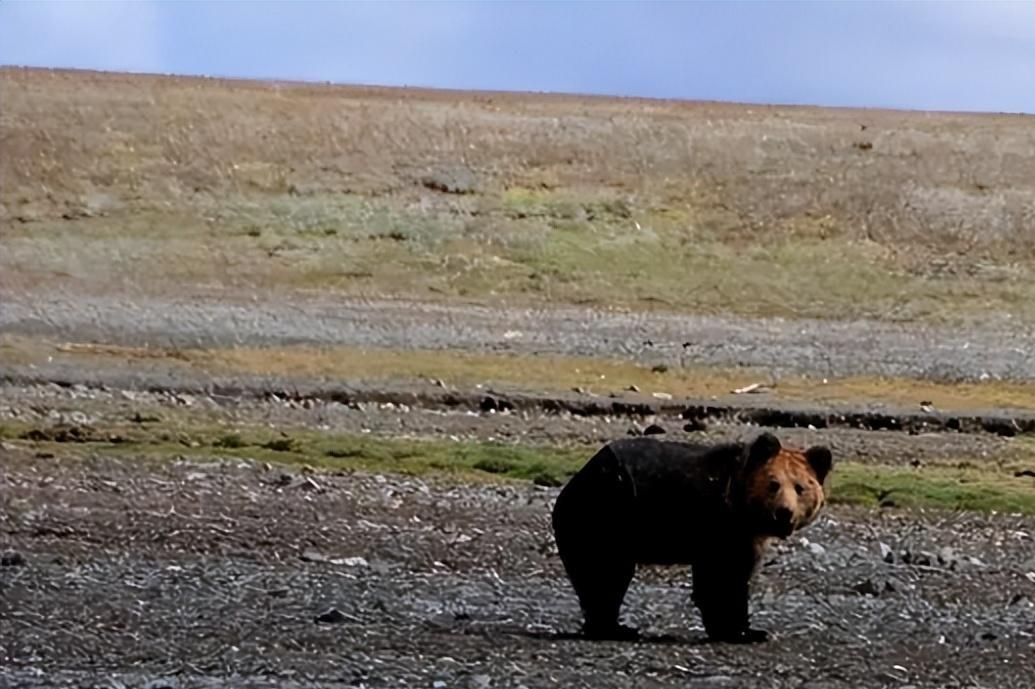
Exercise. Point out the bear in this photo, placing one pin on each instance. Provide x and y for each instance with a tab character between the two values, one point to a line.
645	501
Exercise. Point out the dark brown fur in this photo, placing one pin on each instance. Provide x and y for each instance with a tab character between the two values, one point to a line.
645	501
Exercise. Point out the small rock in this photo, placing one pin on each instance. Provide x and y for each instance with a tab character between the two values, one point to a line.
12	558
480	681
332	616
886	553
97	203
659	368
695	425
355	562
438	684
308	484
921	559
948	558
163	683
456	179
867	588
662	395
633	388
653	429
310	555
816	549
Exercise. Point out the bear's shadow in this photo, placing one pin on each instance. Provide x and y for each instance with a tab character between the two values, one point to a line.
658	639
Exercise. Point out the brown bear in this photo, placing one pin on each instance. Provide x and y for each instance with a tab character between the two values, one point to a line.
646	501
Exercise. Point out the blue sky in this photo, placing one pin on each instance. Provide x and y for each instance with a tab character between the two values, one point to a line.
926	55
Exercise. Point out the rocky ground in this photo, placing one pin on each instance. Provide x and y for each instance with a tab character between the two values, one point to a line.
209	572
215	573
230	574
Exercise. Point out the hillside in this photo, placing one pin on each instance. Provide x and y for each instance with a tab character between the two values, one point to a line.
175	184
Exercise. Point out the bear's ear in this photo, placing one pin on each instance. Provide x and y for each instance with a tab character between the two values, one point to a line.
820	459
764	448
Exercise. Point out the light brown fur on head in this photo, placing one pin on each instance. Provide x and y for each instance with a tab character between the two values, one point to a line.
783	487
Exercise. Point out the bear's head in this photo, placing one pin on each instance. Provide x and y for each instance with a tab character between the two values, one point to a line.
782	488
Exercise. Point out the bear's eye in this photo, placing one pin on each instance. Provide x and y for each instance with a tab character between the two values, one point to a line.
774	486
798	488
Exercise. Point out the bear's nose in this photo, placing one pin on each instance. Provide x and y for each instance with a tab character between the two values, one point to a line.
783	515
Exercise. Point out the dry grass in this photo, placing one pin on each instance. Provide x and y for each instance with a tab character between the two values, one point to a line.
121	182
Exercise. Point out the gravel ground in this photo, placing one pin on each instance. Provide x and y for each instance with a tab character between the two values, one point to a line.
781	346
214	574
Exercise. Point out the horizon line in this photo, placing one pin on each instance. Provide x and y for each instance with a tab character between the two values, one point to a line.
302	82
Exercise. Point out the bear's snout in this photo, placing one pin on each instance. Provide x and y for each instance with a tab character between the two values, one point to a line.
783	520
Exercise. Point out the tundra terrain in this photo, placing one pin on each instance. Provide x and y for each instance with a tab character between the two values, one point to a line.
291	374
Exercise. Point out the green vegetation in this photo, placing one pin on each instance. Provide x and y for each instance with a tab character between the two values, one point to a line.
960	486
941	487
557	248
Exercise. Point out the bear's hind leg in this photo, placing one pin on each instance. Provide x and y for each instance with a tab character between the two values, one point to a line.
591	526
722	598
601	588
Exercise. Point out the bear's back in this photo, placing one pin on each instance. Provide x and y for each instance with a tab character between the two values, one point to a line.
649	461
679	491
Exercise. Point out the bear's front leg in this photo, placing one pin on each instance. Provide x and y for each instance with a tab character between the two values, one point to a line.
721	594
